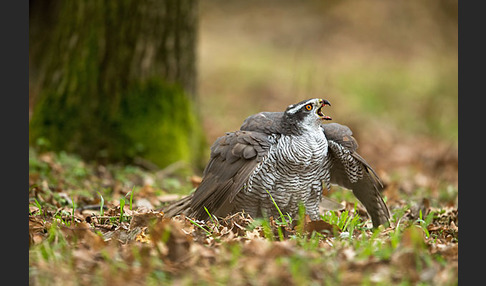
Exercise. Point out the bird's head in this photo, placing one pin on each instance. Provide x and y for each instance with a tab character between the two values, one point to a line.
307	113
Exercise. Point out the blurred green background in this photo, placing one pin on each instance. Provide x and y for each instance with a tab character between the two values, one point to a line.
391	61
389	68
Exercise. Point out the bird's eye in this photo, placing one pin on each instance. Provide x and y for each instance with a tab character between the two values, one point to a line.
308	107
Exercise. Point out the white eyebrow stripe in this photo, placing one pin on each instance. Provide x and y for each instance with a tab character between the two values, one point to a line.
296	108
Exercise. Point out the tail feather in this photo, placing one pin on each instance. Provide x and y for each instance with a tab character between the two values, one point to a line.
182	206
367	190
370	196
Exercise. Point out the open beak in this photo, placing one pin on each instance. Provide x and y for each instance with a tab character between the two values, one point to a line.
320	112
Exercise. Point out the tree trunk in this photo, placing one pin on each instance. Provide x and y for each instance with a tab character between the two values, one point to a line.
115	80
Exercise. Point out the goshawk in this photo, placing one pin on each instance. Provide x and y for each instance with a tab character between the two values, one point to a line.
290	155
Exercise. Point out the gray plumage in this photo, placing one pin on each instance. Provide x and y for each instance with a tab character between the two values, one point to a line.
291	155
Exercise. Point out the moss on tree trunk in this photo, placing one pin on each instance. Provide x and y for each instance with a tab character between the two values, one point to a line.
115	80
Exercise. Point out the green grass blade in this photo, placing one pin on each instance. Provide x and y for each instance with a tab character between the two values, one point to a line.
200	226
122	204
131	197
38	206
210	216
282	217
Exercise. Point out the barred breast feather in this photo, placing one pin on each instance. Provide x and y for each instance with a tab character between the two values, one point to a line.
292	173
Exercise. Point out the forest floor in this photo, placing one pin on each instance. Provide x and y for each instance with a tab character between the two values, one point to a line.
98	225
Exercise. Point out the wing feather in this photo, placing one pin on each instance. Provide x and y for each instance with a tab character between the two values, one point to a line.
233	159
266	122
351	171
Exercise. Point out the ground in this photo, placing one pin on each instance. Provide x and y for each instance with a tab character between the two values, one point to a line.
92	224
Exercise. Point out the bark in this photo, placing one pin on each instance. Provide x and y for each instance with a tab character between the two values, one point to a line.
115	80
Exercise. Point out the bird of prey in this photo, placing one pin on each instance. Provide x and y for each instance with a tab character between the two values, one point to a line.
287	157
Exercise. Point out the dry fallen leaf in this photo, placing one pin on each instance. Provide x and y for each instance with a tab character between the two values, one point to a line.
413	238
83	234
144	219
196	181
320	226
37	229
169	233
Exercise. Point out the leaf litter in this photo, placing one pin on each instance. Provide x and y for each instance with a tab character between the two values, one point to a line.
139	246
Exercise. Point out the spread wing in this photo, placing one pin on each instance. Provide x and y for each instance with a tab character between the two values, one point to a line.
233	159
351	171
